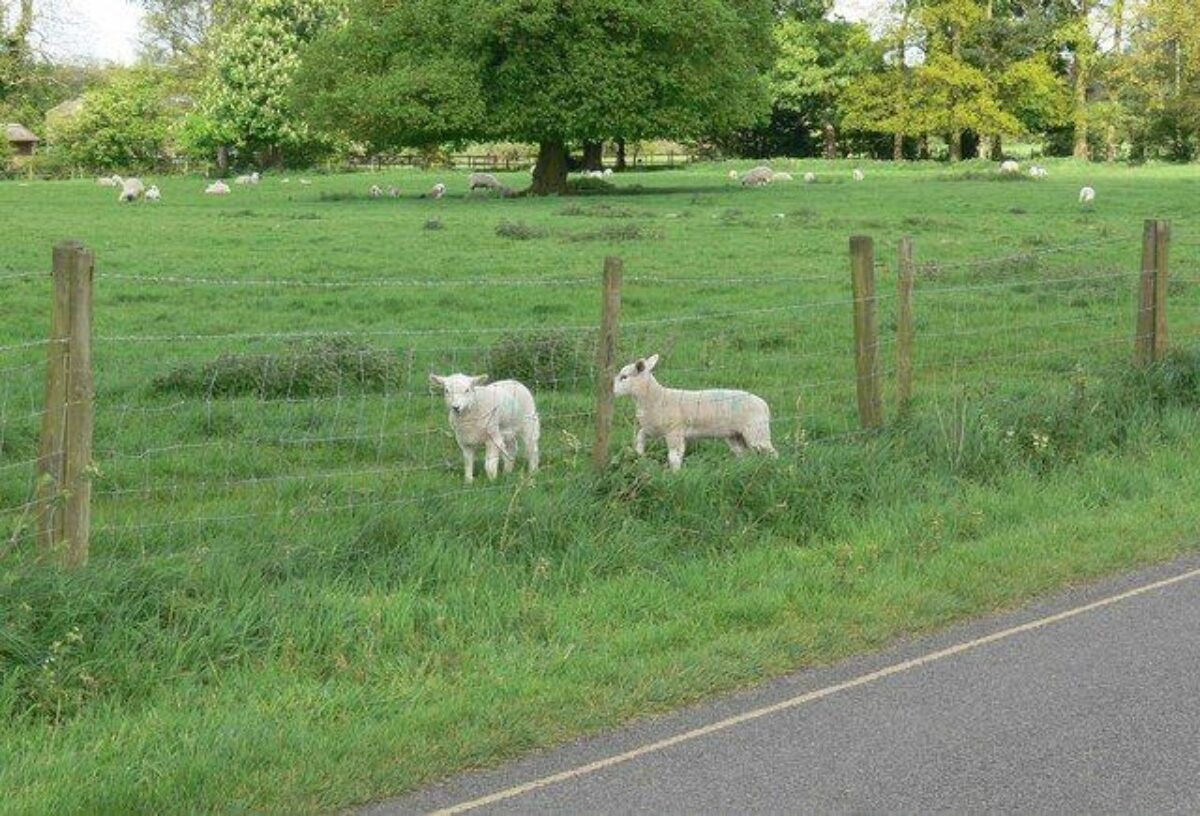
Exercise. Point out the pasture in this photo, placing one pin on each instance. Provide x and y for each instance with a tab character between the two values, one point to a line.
294	604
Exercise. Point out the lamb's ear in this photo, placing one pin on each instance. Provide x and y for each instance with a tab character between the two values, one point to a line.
651	362
640	365
480	380
436	381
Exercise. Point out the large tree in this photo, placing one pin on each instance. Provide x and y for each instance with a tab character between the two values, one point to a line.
552	72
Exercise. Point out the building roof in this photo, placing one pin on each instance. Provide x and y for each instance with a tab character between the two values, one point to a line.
19	133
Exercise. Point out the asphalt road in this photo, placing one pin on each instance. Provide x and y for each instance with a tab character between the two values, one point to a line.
1095	710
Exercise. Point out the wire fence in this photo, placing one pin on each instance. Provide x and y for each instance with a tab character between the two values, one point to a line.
260	432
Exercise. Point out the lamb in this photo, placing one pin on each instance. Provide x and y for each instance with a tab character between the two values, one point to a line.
1087	195
484	180
1009	168
218	187
742	419
253	178
436	191
1037	172
781	177
305	182
105	181
131	190
393	191
153	193
733	175
608	171
376	191
810	178
858	174
758	177
493	416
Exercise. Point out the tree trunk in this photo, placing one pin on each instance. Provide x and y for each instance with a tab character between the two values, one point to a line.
956	146
997	148
550	172
1080	89
898	147
830	141
620	154
223	159
593	155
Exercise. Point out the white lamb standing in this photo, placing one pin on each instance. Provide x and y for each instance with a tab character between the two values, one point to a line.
493	416
131	190
758	176
1087	195
809	178
1009	168
485	180
858	174
742	419
153	193
218	187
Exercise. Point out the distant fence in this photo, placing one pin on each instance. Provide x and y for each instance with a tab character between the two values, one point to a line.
143	435
507	163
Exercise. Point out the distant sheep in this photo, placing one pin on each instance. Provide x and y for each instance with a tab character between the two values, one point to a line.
758	177
781	177
436	191
253	178
858	175
1009	168
1037	172
733	175
376	191
742	419
107	181
131	190
492	416
1086	195
305	182
608	171
393	191
483	180
153	194
810	178
217	188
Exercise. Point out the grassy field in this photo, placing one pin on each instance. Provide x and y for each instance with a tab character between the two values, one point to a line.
293	604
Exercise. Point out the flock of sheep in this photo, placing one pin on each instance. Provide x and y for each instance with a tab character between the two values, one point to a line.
496	415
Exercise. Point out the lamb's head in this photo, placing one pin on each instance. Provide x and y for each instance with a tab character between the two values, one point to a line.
458	389
633	378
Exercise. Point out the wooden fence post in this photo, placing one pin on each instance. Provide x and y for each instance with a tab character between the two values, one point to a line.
866	331
48	475
905	330
606	360
1150	339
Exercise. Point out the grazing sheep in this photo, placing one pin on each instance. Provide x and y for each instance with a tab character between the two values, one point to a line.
733	175
1009	168
393	191
105	181
781	177
153	193
492	416
742	419
484	180
758	177
253	178
436	191
217	188
608	171
131	190
809	178
858	174
376	191
1086	195
1037	172
305	182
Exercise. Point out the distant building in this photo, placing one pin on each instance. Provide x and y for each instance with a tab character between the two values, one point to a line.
21	139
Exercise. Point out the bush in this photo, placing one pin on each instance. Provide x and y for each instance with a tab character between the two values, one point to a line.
589	185
553	360
519	231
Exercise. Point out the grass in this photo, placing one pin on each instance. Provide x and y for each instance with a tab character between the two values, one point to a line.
293	604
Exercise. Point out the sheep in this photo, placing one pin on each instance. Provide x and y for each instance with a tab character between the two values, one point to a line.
1009	168
781	177
810	178
597	174
484	180
218	187
608	171
253	178
858	174
153	194
376	191
757	177
493	416
436	191
305	182
1037	172
131	190
1086	195
742	419
105	181
733	175
393	191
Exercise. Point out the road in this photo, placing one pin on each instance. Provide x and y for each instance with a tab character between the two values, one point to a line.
1085	702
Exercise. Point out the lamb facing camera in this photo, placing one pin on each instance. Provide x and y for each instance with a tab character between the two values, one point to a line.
493	416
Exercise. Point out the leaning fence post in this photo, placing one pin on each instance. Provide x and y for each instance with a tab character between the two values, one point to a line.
48	475
866	331
77	473
905	330
1162	245
606	360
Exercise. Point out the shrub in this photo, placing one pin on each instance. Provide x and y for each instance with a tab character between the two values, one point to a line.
553	360
519	231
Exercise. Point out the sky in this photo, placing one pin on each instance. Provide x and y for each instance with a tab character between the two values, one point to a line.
107	30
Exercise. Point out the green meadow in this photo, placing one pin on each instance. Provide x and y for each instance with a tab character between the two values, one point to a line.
293	603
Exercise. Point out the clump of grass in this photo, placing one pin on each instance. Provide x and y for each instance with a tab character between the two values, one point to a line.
519	231
326	365
588	185
340	196
622	232
601	210
985	175
554	360
433	224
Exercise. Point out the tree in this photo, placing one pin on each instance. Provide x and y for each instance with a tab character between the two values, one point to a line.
244	101
1161	78
174	29
553	72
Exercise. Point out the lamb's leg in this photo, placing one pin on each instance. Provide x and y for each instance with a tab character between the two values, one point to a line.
759	440
468	463
675	447
639	442
491	462
510	453
532	433
736	444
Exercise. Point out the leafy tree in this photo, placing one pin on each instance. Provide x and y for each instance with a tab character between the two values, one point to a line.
174	29
1161	78
552	72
